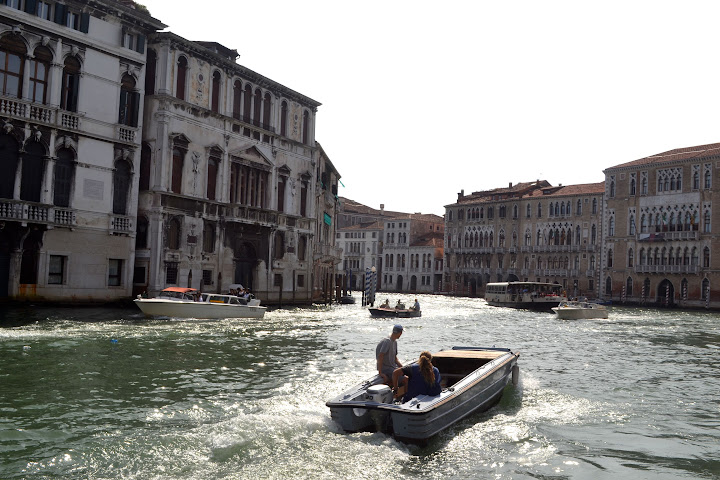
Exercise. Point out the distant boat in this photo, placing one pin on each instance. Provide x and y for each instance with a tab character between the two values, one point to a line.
472	380
580	309
347	300
191	303
527	295
399	311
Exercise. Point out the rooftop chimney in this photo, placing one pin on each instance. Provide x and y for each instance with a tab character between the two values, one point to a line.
510	185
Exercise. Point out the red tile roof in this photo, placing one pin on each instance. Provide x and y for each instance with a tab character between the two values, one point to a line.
697	152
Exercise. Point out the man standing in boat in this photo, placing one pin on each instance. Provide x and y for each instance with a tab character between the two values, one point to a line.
386	354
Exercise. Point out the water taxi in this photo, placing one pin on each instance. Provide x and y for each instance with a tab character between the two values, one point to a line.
528	295
191	303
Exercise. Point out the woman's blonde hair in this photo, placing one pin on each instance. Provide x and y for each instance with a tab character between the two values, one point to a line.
426	367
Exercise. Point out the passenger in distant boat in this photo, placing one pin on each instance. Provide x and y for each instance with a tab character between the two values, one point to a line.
386	303
416	306
399	305
386	355
421	378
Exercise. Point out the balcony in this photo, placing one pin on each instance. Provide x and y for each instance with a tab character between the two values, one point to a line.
51	116
24	212
120	224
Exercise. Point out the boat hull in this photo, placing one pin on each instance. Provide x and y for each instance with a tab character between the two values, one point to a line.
419	419
202	310
391	312
578	313
532	305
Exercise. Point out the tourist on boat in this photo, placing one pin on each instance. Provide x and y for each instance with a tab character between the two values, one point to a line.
399	305
386	354
386	303
421	378
416	306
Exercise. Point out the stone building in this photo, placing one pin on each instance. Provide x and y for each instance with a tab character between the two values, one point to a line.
526	232
660	244
412	253
326	254
233	186
361	250
71	86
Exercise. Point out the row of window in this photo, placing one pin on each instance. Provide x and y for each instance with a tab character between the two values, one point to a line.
14	60
249	103
645	289
32	164
555	209
556	262
659	223
668	180
557	236
56	12
58	268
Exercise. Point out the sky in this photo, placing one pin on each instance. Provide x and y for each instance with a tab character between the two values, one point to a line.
421	99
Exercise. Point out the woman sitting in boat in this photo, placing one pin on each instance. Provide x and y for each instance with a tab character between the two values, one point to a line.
386	303
421	378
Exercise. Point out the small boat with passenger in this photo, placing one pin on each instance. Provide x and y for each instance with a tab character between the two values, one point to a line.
472	379
399	311
574	310
191	303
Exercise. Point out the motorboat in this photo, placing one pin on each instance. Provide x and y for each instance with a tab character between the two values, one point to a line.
347	300
525	295
574	310
472	378
399	311
191	303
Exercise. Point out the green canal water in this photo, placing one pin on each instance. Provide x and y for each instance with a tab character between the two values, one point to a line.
106	394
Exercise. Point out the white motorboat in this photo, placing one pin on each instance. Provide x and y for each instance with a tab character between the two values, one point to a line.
191	303
524	295
472	378
574	310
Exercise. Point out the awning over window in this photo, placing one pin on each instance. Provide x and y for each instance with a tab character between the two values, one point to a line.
328	219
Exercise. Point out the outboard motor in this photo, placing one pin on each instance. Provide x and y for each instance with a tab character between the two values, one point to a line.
380	393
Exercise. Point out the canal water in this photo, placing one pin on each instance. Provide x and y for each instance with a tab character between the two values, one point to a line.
107	394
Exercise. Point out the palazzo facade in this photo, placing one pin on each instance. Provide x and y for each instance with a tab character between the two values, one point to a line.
526	232
71	81
661	236
233	186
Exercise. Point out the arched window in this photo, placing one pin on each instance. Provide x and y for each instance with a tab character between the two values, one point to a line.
208	237
610	258
632	225
594	206
539	212
284	119
212	171
247	105
632	186
705	289
608	286
631	258
64	174
578	208
267	107
629	287
174	232
643	185
216	87
121	187
279	245
33	168
180	149
237	98
129	102
706	257
612	188
145	159
707	180
39	67
12	59
8	165
706	222
258	107
593	235
70	85
142	232
592	262
150	69
528	211
306	128
180	80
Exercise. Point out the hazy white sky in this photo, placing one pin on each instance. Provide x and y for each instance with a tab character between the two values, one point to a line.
421	99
